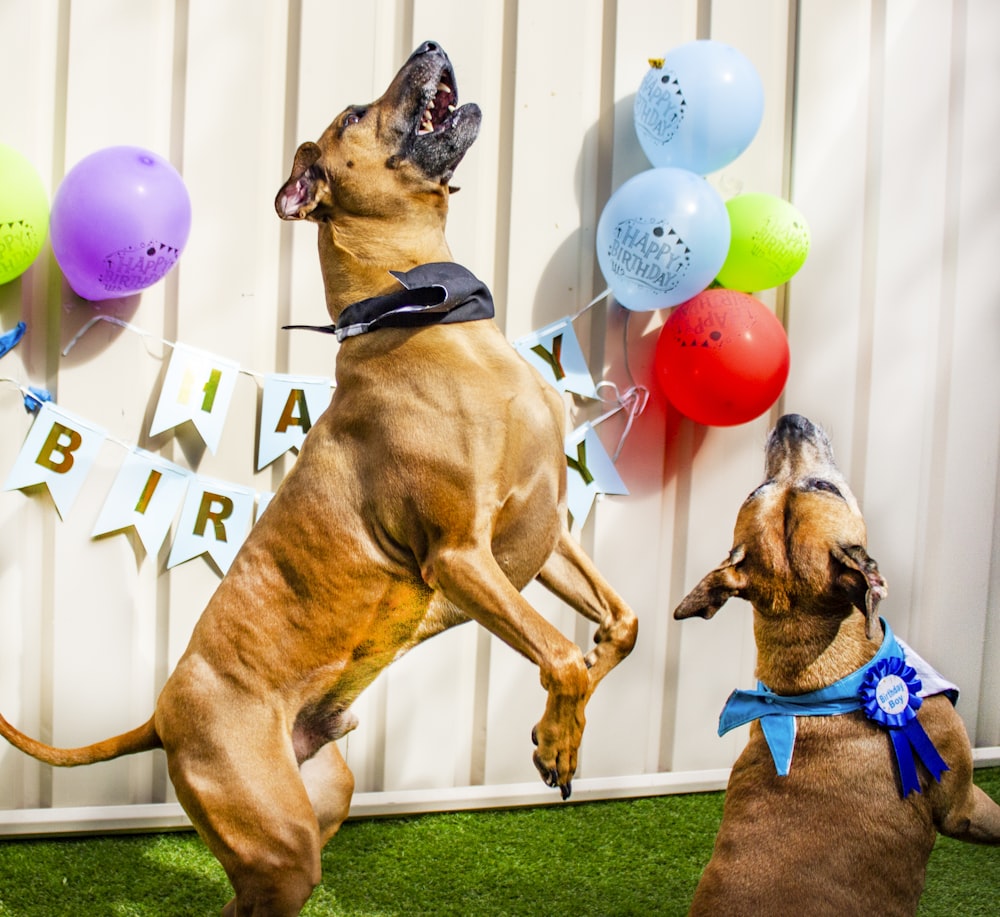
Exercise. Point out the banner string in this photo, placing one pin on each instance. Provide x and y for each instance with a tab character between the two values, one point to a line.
114	321
34	398
90	323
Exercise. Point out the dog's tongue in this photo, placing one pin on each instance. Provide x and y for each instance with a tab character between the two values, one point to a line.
291	201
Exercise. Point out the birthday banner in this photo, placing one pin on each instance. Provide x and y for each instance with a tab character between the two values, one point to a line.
213	516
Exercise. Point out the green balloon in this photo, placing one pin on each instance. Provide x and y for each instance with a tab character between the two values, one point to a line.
24	214
769	242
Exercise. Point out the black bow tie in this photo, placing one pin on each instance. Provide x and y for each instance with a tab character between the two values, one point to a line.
440	292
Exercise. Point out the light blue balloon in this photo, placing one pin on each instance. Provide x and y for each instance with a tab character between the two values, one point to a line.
661	238
701	109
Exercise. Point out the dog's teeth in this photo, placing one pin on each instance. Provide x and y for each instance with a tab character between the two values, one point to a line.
444	87
451	108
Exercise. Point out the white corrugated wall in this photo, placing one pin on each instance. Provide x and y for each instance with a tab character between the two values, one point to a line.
881	126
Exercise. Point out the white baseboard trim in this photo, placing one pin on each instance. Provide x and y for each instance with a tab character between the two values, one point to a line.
170	816
986	757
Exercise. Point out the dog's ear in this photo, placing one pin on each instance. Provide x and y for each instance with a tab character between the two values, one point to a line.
723	583
855	558
307	187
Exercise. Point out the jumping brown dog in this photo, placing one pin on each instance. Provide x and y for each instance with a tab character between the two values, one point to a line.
835	836
429	493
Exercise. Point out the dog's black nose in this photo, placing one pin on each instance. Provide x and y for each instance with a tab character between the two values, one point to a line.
428	47
794	425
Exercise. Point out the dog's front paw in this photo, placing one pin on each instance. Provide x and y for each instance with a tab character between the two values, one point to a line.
550	776
549	768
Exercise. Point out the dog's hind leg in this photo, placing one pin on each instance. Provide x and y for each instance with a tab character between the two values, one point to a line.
257	819
570	574
981	823
330	784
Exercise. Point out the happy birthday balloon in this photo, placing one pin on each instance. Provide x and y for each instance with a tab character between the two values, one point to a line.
661	238
722	358
120	220
770	242
24	214
700	109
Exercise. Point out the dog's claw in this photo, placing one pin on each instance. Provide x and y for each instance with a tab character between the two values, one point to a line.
550	775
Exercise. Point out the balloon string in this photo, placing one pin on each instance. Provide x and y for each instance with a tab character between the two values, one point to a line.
633	400
592	303
628	368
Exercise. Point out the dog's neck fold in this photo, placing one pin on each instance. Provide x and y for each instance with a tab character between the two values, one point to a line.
356	256
798	653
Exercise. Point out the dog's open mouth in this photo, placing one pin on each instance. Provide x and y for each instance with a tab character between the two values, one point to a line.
441	107
442	131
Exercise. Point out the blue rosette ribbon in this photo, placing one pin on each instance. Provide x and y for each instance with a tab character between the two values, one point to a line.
889	698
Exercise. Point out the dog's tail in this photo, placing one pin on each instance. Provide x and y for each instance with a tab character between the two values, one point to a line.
143	738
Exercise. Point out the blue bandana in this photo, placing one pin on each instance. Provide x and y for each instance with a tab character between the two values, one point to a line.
887	688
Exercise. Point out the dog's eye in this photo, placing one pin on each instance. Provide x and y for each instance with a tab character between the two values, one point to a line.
352	117
819	484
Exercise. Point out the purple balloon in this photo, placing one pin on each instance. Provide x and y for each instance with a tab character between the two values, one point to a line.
119	222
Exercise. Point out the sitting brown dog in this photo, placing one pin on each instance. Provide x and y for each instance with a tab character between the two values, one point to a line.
848	828
430	492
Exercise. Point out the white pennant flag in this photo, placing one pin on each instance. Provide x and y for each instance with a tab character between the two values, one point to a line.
59	452
590	472
555	352
198	387
145	494
289	406
214	520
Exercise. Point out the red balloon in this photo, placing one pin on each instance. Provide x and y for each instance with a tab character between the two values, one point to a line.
722	358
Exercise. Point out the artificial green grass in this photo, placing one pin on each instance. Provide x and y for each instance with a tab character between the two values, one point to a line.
607	859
